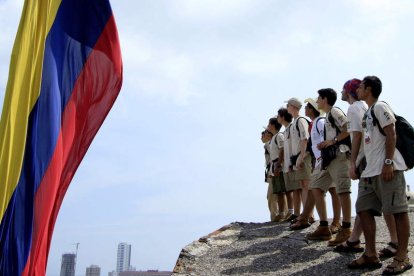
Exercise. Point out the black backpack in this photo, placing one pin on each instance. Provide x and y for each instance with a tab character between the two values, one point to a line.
405	137
347	140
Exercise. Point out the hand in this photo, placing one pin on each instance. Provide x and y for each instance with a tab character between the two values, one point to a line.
299	161
352	173
387	172
277	171
325	144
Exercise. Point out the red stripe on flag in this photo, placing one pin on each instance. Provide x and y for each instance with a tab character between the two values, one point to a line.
93	96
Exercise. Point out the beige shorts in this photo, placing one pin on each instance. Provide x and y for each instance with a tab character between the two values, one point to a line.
336	172
305	172
379	196
290	182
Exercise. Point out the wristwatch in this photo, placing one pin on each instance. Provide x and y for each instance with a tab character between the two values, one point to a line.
336	140
388	162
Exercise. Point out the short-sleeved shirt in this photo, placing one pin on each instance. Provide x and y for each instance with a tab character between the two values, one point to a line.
275	144
297	136
267	155
374	141
340	121
355	114
317	136
286	149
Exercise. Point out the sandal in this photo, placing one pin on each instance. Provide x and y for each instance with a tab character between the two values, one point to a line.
389	251
299	224
397	267
349	247
367	262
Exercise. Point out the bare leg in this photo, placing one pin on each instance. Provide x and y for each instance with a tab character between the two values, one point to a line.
281	202
392	228
297	201
336	205
369	228
345	199
356	231
289	198
319	197
403	232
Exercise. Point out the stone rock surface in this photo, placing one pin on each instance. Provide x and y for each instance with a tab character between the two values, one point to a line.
272	249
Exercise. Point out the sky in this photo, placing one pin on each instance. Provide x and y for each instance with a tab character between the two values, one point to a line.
180	155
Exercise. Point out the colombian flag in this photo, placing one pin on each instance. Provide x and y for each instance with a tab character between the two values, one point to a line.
65	75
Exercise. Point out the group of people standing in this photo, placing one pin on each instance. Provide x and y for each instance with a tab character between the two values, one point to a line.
322	153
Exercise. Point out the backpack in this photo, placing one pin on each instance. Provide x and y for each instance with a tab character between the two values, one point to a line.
347	140
405	137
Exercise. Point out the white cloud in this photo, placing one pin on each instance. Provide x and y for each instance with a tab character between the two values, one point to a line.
212	10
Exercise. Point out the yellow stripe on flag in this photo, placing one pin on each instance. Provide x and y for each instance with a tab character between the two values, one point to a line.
22	91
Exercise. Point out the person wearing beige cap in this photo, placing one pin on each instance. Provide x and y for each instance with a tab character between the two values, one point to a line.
301	160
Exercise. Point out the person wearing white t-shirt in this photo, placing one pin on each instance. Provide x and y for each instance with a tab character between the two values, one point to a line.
336	171
271	198
382	187
302	167
278	188
317	136
285	119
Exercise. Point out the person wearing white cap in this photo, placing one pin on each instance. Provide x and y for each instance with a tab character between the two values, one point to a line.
316	136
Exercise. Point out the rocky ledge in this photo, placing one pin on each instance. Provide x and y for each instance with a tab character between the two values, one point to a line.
272	249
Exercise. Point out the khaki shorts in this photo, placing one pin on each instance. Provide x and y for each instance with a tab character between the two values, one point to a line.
278	183
378	196
290	183
315	176
305	172
336	172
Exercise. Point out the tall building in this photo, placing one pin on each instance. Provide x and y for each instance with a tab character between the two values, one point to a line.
93	270
68	264
123	260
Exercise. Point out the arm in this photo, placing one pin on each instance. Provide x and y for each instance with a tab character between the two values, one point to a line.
356	144
344	133
279	162
390	140
303	146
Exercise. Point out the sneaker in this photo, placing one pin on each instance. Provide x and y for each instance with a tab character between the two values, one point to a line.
334	227
322	233
343	235
278	218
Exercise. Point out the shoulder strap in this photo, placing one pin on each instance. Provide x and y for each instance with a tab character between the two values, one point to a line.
375	121
332	120
316	124
297	122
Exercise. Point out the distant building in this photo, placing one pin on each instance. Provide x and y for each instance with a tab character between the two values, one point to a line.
93	270
113	273
123	259
145	273
68	264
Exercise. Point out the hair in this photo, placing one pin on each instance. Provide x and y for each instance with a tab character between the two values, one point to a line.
314	110
273	121
328	93
283	112
375	84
